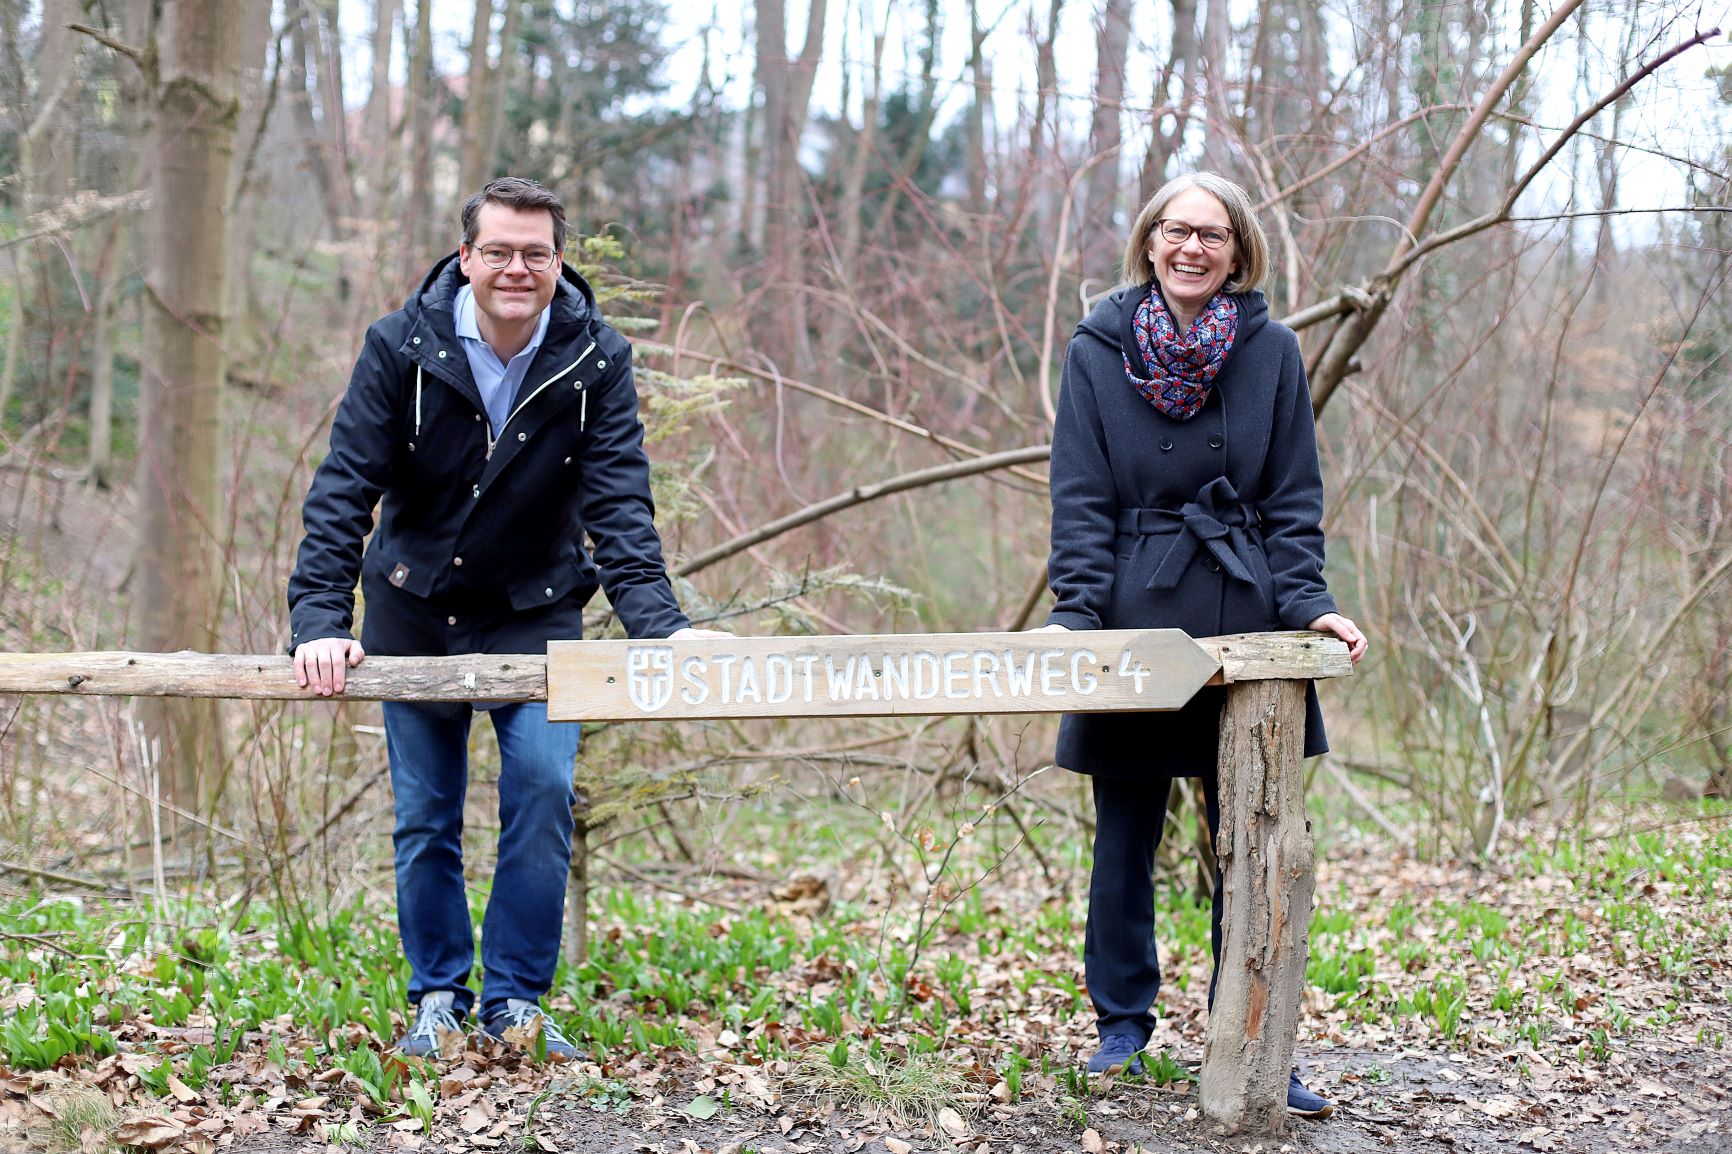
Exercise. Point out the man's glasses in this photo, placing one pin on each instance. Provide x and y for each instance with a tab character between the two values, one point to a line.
536	258
1178	232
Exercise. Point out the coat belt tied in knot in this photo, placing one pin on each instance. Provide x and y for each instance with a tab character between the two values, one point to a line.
1215	520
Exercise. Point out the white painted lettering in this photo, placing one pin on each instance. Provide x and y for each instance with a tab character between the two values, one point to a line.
775	664
1021	681
840	682
806	662
895	677
724	662
1081	680
865	680
955	676
748	681
983	675
697	689
925	676
1051	672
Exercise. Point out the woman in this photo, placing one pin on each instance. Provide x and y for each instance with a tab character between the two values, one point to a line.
1185	494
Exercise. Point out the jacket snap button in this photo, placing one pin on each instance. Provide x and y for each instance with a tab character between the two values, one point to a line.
568	460
477	416
476	489
456	560
601	364
411	446
523	436
417	340
451	621
1166	445
1214	565
441	354
548	591
1215	441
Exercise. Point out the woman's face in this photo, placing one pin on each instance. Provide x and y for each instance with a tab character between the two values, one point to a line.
1189	273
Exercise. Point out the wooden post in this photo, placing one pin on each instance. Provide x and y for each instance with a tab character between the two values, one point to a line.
1268	868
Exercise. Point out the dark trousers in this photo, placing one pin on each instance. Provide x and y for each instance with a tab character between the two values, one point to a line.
1120	960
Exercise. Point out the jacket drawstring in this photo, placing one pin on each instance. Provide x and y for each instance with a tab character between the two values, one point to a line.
417	400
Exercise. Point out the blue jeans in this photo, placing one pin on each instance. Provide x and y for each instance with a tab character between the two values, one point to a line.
520	935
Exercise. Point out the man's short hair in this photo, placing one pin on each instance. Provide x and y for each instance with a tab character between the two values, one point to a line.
520	193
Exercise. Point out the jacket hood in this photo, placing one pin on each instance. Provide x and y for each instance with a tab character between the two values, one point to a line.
1111	315
573	300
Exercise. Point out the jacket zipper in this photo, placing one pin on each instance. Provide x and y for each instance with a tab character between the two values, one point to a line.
492	440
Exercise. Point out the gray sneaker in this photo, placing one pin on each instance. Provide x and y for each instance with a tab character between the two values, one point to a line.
435	1017
521	1023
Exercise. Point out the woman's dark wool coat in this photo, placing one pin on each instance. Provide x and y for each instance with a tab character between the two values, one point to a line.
1141	499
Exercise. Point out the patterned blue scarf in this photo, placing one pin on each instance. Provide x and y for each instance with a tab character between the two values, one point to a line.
1182	369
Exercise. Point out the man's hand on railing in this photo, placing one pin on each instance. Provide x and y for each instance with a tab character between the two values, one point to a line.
322	664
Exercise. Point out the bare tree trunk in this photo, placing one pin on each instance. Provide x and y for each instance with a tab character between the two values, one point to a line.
787	87
981	71
47	154
418	219
1165	141
475	100
1100	235
243	324
179	600
861	152
381	166
1217	39
499	93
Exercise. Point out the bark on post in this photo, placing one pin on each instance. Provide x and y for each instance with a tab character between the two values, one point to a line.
1268	869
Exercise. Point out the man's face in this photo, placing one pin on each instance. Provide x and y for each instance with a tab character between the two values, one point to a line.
512	295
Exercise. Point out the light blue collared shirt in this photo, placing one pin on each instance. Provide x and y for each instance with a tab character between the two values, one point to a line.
498	382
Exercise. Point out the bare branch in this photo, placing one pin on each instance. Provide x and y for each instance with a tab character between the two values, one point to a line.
1502	212
859	495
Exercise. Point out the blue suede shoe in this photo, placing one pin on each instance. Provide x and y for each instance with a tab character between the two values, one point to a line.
1119	1053
1303	1103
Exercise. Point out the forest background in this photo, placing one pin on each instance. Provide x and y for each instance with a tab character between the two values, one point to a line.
850	241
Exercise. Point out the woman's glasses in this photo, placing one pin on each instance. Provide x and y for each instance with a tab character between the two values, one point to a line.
1178	232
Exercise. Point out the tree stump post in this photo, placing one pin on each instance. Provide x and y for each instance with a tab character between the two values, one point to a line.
1268	870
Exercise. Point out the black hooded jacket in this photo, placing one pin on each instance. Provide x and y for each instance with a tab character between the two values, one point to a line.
479	544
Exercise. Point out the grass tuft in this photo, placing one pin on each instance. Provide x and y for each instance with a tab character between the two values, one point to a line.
78	1111
914	1087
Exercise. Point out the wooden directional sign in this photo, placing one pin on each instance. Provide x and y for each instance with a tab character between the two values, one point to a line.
874	676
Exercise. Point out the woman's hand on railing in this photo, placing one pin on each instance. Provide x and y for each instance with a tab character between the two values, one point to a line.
1341	627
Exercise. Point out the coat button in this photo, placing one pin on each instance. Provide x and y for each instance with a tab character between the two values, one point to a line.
1215	441
1213	565
457	561
411	446
441	354
601	364
417	340
475	489
477	416
523	436
451	621
568	460
1166	444
548	591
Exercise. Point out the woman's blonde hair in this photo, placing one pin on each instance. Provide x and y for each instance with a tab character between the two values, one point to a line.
1250	243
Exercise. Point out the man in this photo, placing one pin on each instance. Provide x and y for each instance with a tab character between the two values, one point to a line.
493	420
